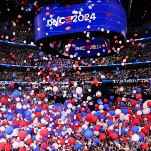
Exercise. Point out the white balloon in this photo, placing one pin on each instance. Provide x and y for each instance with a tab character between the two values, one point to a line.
135	137
55	88
98	93
123	99
79	90
69	105
134	91
15	144
18	105
69	130
96	133
139	112
121	89
68	111
117	111
89	98
84	126
146	111
101	107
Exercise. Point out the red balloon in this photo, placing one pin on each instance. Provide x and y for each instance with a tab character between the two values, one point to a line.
22	135
95	119
134	102
43	132
28	69
144	146
95	81
22	149
2	146
8	147
71	141
89	117
102	136
124	139
61	141
28	141
4	100
149	103
44	145
11	84
114	136
119	99
138	96
147	126
97	127
42	95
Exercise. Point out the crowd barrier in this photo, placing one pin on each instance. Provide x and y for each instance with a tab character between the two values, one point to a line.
103	81
92	66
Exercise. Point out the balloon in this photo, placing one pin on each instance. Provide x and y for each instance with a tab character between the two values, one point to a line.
4	100
119	99
135	138
123	131
112	112
144	146
109	122
8	147
138	96
134	102
37	148
77	146
43	132
89	117
88	134
117	111
96	140
22	135
79	90
22	149
11	84
102	136
44	145
135	129
55	88
71	141
16	94
114	136
9	130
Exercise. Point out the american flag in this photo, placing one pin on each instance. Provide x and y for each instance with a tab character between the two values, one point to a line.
68	19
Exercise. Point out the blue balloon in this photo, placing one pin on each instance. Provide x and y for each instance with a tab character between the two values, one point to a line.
139	90
106	106
96	140
111	97
77	146
14	75
1	135
112	112
123	131
28	113
88	134
41	54
37	148
135	129
9	130
109	122
16	94
125	111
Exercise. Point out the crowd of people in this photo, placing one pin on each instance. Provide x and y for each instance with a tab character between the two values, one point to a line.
72	110
19	55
